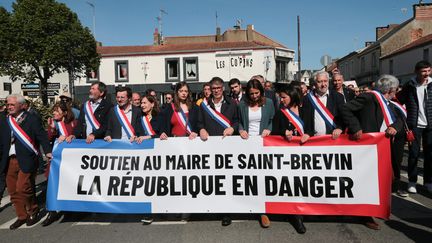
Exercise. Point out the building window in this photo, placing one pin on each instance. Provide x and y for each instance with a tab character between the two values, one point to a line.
92	76
190	68
281	70
426	54
172	69
362	64
7	87
121	71
391	66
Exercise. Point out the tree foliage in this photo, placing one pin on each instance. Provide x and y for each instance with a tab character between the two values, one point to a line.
44	38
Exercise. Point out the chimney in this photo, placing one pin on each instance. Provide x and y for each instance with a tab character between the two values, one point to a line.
218	34
250	32
381	31
156	37
423	11
98	43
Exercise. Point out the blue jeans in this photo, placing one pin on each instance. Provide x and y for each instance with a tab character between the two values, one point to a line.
422	136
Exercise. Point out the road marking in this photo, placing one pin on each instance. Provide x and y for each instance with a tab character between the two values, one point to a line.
5	201
92	223
169	223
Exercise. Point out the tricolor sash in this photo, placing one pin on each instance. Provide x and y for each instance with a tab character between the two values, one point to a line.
124	122
147	126
61	128
182	119
322	110
22	135
400	108
216	115
88	111
388	114
295	120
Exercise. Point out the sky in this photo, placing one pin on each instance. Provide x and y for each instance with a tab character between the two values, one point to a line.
333	28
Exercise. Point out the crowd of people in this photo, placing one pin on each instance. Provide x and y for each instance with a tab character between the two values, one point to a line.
257	110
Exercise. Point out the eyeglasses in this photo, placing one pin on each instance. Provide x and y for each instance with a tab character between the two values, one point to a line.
216	88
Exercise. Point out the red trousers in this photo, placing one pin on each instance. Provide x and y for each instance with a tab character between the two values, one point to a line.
20	187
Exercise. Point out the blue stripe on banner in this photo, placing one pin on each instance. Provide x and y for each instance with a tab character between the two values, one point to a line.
90	206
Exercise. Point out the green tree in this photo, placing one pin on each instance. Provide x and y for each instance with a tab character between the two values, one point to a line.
45	38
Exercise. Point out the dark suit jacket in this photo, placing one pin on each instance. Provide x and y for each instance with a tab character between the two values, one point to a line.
27	160
307	112
281	124
364	113
155	123
228	109
349	94
2	125
101	114
167	113
114	128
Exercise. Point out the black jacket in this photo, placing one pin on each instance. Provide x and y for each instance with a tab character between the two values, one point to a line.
307	113
281	124
114	128
27	160
167	113
364	113
101	114
408	97
228	109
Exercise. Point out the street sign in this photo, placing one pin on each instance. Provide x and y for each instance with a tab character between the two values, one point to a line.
30	86
35	94
325	60
33	86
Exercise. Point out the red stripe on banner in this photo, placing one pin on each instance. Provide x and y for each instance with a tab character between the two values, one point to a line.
384	178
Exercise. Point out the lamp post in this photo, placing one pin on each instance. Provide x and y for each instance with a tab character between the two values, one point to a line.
94	18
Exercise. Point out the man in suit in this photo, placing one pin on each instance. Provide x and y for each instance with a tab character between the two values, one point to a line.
236	92
20	156
209	120
364	115
116	129
314	123
338	80
2	170
93	111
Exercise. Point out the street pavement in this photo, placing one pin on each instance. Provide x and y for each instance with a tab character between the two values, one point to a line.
410	221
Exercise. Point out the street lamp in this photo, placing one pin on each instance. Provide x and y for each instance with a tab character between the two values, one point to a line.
94	18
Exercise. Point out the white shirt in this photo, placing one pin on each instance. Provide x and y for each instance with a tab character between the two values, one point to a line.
218	106
254	122
421	89
12	150
128	114
94	106
320	125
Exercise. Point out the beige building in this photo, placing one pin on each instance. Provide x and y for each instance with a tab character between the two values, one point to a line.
366	65
401	62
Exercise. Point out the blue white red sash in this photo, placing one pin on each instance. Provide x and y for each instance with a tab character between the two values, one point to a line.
61	128
88	110
322	110
182	119
216	115
22	135
388	114
124	122
147	126
400	108
295	120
